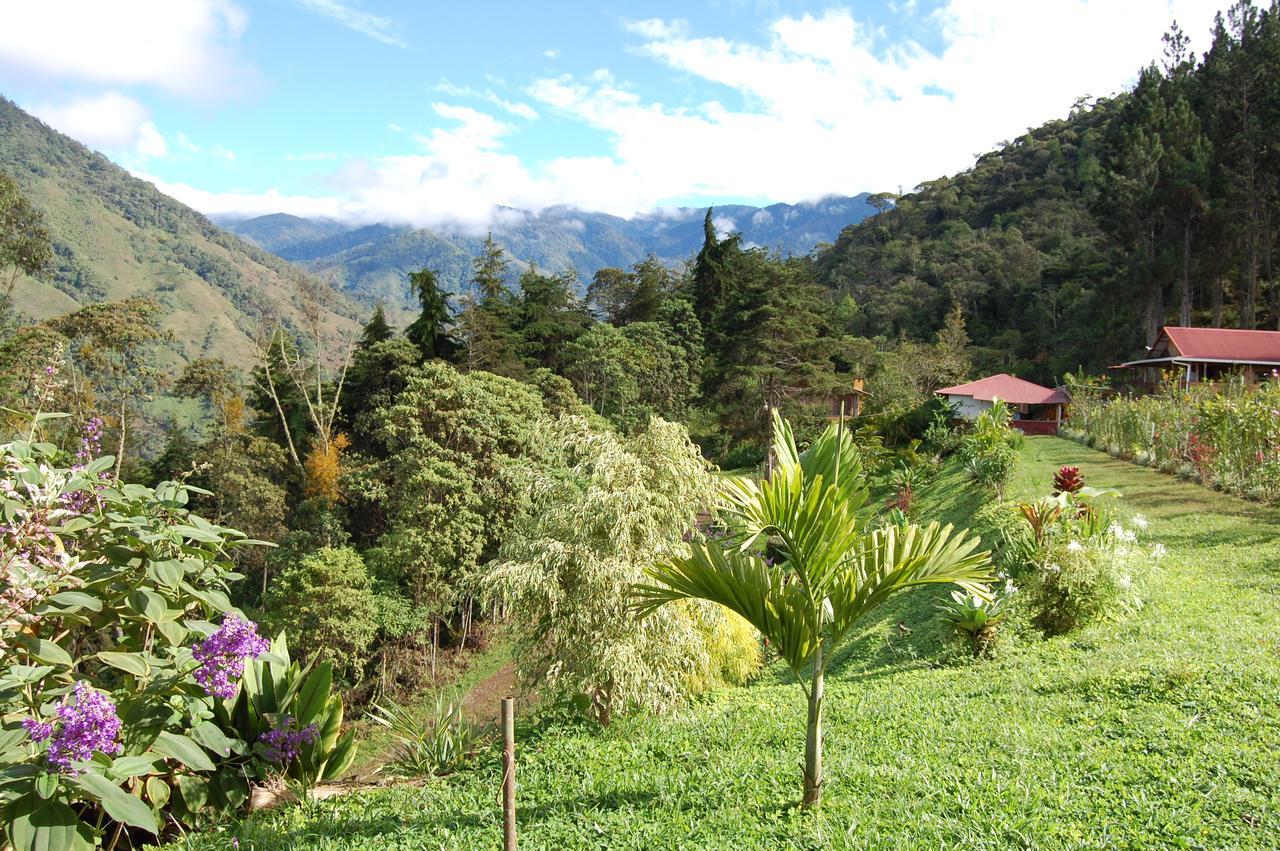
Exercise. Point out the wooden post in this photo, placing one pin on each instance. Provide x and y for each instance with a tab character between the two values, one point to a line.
508	774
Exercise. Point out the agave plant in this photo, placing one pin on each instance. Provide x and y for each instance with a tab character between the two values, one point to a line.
439	743
832	564
976	615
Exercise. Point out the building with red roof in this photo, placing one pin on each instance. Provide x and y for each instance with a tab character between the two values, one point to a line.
1036	409
1207	354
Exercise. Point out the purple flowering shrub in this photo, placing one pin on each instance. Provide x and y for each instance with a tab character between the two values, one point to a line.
120	654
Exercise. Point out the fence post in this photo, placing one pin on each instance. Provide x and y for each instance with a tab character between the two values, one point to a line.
508	774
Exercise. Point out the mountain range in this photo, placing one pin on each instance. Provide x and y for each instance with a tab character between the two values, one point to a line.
116	236
371	263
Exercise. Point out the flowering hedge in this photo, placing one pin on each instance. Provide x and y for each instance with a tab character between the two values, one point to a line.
117	685
1226	435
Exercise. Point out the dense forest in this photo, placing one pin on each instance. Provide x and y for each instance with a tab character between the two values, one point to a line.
1072	244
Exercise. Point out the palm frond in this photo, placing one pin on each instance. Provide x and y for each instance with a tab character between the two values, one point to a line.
763	594
894	558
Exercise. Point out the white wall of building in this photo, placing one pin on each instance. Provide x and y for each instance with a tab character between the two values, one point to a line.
967	407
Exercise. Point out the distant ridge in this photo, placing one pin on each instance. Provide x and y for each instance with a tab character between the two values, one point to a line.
372	262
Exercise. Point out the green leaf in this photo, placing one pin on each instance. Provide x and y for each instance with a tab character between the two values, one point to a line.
130	663
46	651
314	693
9	738
173	632
157	791
124	767
208	734
119	804
77	600
27	674
36	825
168	572
185	751
194	791
46	784
148	603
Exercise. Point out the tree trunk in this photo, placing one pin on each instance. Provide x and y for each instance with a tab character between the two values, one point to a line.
1184	309
1217	302
435	642
124	412
813	737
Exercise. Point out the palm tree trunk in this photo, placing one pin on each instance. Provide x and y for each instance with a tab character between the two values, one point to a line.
813	737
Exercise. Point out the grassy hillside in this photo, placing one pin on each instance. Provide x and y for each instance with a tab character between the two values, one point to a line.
116	236
1158	731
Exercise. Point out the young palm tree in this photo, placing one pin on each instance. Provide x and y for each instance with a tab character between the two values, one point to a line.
804	562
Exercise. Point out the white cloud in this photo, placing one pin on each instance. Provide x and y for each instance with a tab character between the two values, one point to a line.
110	121
374	26
520	110
551	53
656	28
250	203
724	226
151	142
395	128
186	48
821	105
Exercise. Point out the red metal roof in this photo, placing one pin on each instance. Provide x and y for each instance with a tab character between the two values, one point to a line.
1227	344
1008	388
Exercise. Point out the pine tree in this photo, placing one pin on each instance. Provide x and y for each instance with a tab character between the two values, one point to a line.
376	329
431	331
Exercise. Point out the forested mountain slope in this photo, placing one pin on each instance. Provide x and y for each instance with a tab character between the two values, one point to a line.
373	262
1071	245
116	237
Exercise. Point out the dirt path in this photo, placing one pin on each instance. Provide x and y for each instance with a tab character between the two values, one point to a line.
482	705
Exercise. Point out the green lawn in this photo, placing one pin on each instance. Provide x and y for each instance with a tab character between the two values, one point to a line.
1159	731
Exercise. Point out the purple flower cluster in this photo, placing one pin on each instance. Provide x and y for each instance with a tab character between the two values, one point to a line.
223	654
83	501
37	730
87	722
283	743
90	441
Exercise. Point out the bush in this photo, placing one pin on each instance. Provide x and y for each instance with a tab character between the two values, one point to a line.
734	654
325	602
567	572
1079	582
1227	432
990	450
1083	566
1007	534
115	682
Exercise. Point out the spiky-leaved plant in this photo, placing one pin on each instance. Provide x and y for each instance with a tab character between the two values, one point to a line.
832	563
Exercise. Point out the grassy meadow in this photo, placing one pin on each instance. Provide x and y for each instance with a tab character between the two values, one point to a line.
1160	730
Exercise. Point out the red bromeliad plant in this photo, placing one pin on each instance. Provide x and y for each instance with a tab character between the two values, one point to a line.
1067	480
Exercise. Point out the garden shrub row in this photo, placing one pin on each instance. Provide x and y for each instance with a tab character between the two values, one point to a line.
1224	435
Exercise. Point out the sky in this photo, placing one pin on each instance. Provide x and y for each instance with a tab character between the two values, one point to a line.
432	113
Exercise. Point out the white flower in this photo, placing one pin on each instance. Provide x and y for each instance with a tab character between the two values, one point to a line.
1158	551
1139	522
1053	568
1009	587
1075	547
1125	581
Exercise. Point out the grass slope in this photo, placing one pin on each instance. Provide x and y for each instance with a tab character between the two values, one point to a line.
1158	731
116	237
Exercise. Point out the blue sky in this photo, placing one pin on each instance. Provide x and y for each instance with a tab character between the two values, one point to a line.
438	113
